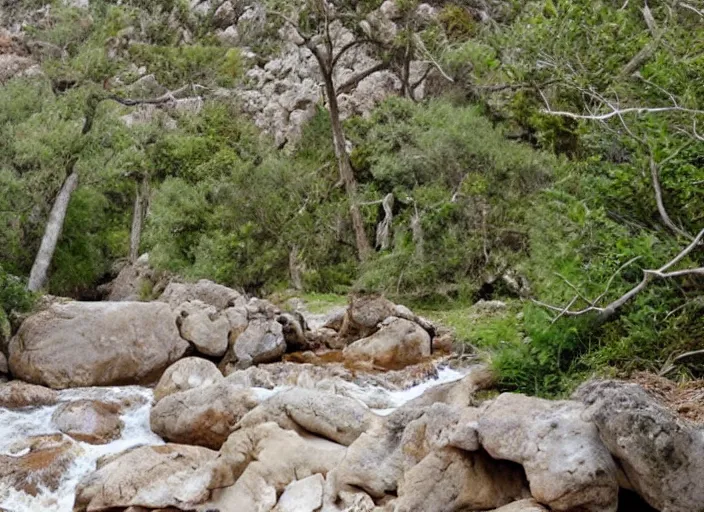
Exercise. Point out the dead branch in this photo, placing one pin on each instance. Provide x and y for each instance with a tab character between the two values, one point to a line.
671	362
168	97
606	312
353	82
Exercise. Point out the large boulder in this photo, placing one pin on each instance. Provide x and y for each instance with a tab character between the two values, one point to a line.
203	416
17	394
80	344
261	342
430	458
205	327
205	291
662	456
153	477
188	373
89	421
567	465
364	315
397	344
264	460
38	463
333	417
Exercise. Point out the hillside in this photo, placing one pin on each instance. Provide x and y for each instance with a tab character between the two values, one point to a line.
545	154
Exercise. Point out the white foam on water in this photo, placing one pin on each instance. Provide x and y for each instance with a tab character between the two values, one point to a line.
18	425
398	398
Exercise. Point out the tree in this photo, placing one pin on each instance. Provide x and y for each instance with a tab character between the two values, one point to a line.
322	21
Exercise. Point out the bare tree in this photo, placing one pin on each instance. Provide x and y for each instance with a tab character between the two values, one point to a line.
321	43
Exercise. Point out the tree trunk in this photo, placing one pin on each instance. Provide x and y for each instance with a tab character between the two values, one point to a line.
54	226
140	199
364	249
295	268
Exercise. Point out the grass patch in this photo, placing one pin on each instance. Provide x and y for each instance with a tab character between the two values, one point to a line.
318	303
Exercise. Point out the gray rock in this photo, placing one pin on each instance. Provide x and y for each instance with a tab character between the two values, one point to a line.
89	421
304	495
17	395
566	463
205	327
397	344
661	455
202	416
333	417
154	477
262	342
205	291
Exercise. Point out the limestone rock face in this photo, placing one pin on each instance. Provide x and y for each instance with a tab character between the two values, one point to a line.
40	462
79	344
152	477
566	463
264	460
203	416
205	327
662	456
89	421
188	373
17	394
397	344
333	417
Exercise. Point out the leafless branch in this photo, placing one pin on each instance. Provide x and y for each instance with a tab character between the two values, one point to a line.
671	362
422	47
605	312
691	8
160	100
353	82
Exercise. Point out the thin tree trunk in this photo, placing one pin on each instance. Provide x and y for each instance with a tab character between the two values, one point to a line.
295	268
52	232
364	249
138	218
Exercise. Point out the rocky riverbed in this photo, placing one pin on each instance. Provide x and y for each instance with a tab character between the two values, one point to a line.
207	400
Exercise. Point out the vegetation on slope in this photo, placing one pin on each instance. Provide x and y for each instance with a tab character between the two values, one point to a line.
532	163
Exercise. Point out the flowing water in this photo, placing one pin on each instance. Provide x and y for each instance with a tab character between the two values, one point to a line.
18	425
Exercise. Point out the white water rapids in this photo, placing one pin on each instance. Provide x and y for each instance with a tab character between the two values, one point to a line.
21	424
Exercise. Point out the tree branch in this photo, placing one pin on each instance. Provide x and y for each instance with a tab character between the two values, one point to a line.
605	312
353	82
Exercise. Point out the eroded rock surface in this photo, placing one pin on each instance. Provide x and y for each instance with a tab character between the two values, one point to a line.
566	463
17	394
661	455
153	477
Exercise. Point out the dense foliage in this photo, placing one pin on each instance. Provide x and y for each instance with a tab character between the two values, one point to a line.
487	180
